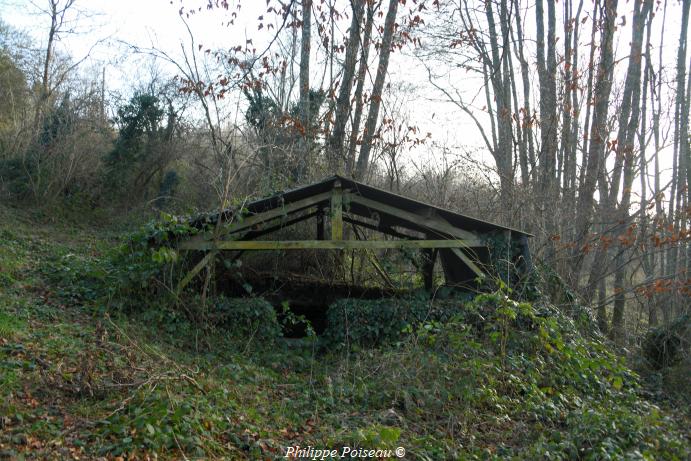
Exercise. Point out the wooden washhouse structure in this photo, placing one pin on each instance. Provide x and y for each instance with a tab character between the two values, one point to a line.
461	242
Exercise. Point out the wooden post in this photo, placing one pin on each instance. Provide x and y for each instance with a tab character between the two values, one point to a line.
507	236
337	212
206	260
429	256
320	223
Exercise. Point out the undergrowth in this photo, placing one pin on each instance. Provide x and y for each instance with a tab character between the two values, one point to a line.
95	361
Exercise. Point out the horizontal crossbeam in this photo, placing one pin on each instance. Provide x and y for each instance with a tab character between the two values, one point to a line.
328	244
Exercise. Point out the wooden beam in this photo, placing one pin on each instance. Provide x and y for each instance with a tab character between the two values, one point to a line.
253	220
429	258
195	270
337	212
280	225
327	244
375	263
434	223
320	223
383	230
468	262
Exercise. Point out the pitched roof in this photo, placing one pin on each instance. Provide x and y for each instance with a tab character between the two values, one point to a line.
380	195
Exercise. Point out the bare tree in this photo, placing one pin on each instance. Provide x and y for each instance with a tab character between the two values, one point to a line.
373	115
305	50
336	157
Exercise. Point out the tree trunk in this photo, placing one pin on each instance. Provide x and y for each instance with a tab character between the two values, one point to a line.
629	117
598	132
45	76
304	82
359	89
375	103
547	70
336	140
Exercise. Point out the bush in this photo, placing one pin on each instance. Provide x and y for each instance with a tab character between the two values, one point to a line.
666	345
14	178
522	373
370	322
248	318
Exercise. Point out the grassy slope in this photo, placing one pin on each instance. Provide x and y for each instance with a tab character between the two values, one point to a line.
76	383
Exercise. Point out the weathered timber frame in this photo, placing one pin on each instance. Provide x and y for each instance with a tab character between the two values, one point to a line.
459	239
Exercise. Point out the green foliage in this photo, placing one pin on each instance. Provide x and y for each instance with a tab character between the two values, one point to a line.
490	379
59	123
246	318
167	188
13	172
524	374
128	273
10	325
139	122
142	149
370	322
153	421
79	279
140	266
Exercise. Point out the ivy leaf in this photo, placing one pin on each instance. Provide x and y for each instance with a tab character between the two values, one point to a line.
617	383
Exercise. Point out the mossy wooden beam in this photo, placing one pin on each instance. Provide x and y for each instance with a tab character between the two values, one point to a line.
374	261
383	230
327	244
468	262
207	259
286	209
434	223
337	212
248	222
280	224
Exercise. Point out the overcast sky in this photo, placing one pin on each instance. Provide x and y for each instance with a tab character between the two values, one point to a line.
104	27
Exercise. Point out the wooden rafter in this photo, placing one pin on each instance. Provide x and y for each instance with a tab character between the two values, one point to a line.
430	222
278	226
207	259
374	261
374	227
259	218
468	262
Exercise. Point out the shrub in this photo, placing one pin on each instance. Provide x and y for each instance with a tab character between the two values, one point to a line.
665	346
245	317
143	266
522	373
370	322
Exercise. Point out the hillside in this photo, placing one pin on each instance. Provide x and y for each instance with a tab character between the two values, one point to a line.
87	375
